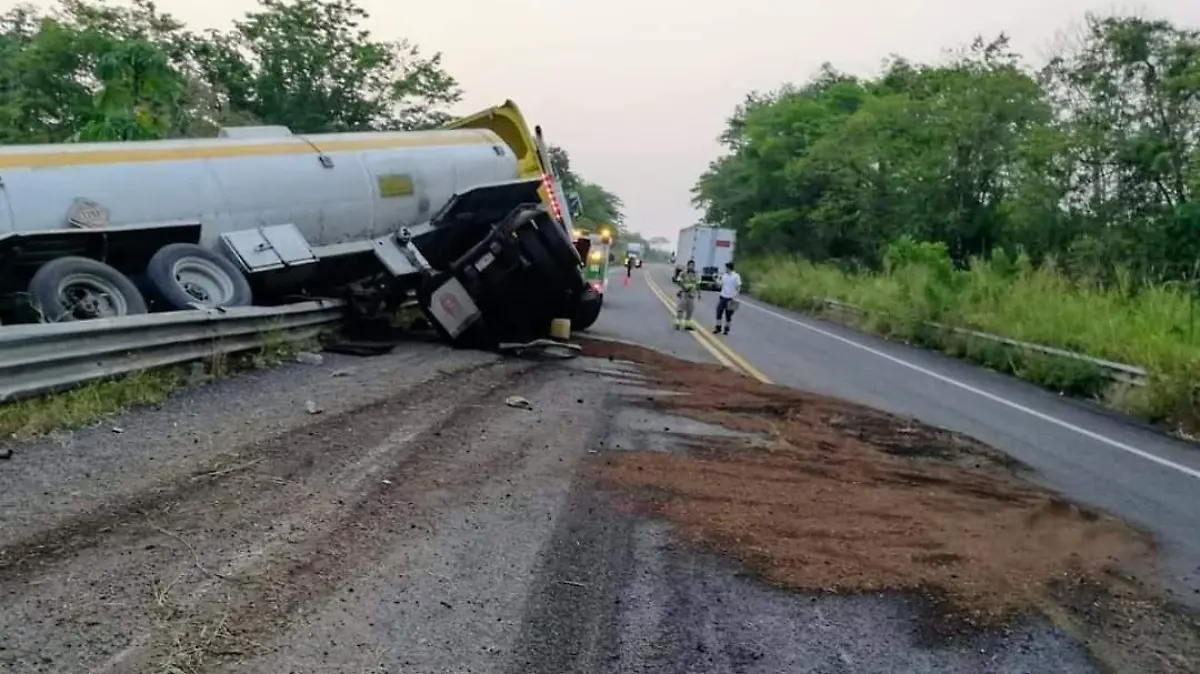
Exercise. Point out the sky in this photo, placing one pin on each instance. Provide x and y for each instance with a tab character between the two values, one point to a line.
637	91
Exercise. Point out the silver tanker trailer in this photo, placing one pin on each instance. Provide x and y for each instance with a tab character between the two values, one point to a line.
467	218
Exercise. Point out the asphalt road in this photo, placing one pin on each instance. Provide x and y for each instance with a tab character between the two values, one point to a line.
438	510
419	523
1093	455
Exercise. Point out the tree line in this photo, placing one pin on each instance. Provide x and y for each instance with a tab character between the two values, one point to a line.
87	70
600	208
1089	164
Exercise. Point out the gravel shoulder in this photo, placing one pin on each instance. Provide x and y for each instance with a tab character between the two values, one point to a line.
427	521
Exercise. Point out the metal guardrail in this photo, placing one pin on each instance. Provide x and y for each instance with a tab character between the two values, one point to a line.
1118	372
44	358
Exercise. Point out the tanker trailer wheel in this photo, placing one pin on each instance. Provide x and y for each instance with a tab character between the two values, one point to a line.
183	274
79	289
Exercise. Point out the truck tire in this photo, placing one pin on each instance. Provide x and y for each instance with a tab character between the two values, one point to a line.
588	311
79	289
184	274
536	252
558	246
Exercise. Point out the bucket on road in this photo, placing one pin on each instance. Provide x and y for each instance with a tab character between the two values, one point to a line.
560	329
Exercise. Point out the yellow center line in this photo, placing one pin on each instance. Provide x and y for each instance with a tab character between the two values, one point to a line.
662	297
714	345
737	358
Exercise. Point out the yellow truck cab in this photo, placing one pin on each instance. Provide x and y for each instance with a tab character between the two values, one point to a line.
533	159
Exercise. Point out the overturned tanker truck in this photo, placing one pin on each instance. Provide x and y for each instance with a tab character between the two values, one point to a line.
466	219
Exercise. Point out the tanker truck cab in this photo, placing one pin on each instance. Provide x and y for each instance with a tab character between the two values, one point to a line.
465	217
533	161
533	158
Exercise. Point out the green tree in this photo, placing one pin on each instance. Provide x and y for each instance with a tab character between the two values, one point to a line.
138	95
560	163
1092	159
307	65
1128	96
600	207
90	70
84	73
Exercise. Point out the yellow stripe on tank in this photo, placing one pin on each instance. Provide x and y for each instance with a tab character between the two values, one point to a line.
52	159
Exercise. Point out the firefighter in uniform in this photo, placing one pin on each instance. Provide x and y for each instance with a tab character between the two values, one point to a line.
685	304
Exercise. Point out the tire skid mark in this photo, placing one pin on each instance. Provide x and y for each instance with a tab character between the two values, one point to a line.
76	534
281	515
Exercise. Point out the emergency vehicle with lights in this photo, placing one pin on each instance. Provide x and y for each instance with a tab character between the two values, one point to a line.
599	260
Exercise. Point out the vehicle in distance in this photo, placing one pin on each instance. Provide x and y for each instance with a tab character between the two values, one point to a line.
598	262
635	250
709	247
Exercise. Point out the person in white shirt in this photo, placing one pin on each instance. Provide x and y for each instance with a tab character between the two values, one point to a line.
727	303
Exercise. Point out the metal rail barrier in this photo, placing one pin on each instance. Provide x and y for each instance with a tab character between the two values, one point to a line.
1118	372
44	358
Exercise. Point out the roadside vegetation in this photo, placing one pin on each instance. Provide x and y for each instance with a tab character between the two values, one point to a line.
1053	204
94	402
1152	327
90	70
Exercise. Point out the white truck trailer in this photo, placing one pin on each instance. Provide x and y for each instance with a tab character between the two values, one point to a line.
709	247
466	218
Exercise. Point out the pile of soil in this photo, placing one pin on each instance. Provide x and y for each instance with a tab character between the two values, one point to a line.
847	499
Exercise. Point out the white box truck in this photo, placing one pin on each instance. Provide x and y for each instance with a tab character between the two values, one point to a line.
709	247
636	251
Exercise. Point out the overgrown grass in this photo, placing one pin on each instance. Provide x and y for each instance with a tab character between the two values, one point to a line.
1152	327
88	404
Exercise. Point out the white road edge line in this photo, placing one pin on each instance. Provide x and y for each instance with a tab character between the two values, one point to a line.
1191	472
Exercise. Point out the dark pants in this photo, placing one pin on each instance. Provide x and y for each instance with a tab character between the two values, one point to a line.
724	309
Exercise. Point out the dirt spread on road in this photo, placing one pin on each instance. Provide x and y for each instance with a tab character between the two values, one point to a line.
846	499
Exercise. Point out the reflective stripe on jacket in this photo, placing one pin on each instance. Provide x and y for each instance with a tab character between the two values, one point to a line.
689	282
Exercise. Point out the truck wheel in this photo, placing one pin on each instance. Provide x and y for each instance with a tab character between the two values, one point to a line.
587	312
79	289
183	274
536	252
